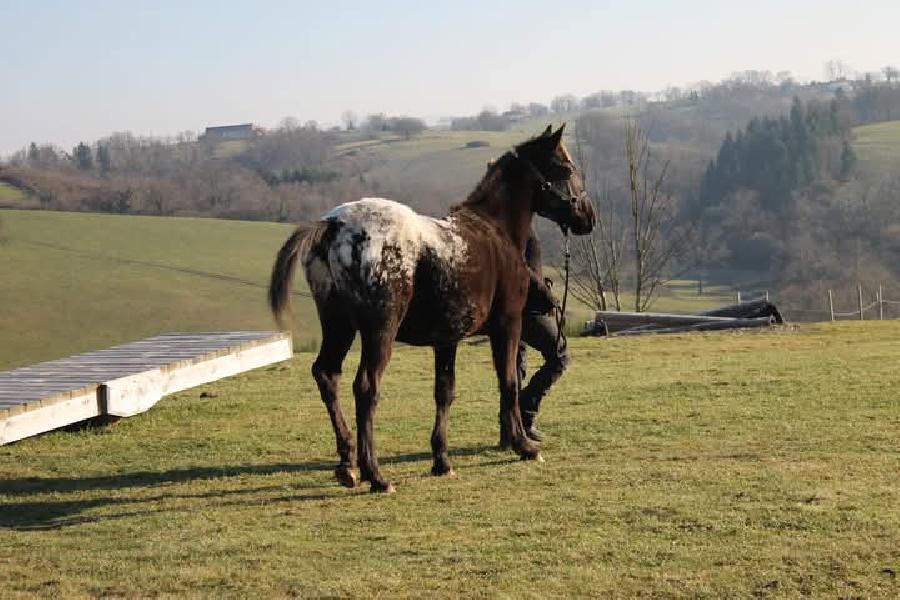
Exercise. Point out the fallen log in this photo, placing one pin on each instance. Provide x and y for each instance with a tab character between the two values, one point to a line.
620	321
757	313
748	310
718	325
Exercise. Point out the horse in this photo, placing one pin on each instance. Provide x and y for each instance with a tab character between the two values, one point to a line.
377	268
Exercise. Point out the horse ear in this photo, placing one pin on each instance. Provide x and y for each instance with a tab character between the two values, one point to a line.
547	131
557	137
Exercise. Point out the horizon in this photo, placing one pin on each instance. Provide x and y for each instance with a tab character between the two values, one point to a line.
84	72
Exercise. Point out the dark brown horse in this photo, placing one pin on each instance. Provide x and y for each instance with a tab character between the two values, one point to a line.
378	268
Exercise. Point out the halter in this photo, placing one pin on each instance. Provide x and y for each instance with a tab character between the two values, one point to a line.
546	186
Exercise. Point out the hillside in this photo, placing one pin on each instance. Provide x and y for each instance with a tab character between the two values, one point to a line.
878	149
78	281
437	161
75	281
704	466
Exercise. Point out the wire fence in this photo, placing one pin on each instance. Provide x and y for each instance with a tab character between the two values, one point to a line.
880	308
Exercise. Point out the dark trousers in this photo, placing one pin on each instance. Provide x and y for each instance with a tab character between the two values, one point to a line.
540	332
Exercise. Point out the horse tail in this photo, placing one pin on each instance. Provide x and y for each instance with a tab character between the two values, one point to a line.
296	246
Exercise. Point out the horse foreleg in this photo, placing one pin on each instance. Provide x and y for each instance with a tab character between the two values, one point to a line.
504	345
444	393
376	353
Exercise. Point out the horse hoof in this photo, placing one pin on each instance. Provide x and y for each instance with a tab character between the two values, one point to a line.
382	488
448	473
345	476
536	457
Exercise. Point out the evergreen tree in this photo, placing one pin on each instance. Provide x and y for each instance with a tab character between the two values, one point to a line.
103	160
83	157
848	160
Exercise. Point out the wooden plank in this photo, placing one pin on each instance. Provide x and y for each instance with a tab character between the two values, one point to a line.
128	379
44	418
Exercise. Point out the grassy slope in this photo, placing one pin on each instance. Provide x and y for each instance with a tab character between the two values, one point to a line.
702	466
436	159
10	195
878	149
86	294
61	301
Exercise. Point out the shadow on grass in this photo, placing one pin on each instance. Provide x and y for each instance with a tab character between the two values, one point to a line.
56	514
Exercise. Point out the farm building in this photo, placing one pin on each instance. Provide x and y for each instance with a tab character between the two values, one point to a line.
245	131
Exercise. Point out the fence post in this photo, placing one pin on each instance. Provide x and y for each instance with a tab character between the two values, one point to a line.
739	297
859	301
831	304
767	295
880	303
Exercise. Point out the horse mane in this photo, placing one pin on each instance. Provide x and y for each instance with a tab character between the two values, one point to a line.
493	176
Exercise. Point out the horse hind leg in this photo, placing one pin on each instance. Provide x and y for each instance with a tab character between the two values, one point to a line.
377	343
337	337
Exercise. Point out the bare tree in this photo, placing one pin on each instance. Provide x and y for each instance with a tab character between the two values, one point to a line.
891	73
837	70
597	258
350	120
656	242
408	126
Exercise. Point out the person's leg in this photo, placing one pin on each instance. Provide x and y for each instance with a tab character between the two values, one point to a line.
521	372
540	332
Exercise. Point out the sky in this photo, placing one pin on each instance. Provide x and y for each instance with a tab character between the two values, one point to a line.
79	70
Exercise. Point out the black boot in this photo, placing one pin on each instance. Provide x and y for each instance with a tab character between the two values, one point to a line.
532	432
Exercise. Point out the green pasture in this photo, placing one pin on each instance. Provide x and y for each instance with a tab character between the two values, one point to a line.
878	149
730	465
73	282
437	159
10	195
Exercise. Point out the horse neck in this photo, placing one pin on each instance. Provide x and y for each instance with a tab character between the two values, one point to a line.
508	208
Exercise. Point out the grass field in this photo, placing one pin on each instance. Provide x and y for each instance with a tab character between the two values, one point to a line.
878	149
73	282
437	159
704	466
10	195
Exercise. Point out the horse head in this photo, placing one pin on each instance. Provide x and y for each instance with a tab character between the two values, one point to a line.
559	195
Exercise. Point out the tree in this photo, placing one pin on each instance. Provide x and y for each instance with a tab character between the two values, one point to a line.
565	104
82	157
836	70
598	257
103	160
848	160
656	243
535	109
350	120
34	155
375	123
408	126
890	73
635	233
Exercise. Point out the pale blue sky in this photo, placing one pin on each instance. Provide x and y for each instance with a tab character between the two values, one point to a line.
79	70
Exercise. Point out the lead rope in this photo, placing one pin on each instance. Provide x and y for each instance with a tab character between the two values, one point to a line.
561	311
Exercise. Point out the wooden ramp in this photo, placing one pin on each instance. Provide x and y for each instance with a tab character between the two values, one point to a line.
128	379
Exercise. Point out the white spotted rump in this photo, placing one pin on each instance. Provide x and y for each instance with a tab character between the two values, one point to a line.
381	239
